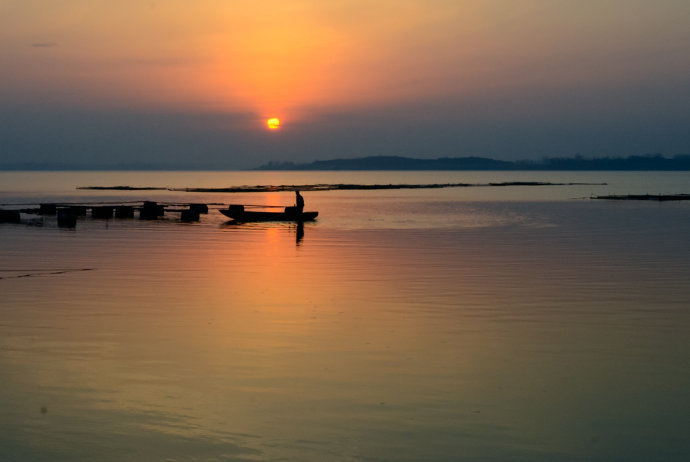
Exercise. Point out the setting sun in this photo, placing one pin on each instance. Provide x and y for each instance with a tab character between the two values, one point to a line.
273	123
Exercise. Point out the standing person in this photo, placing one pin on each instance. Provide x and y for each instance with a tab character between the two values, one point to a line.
299	201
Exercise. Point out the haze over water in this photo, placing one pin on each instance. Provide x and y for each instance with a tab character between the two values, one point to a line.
478	324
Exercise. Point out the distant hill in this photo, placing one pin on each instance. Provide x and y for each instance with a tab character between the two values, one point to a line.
648	162
394	163
679	162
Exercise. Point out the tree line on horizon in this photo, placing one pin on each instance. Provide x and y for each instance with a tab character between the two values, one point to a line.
644	162
679	162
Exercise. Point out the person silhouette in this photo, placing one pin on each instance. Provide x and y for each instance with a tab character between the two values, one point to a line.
299	202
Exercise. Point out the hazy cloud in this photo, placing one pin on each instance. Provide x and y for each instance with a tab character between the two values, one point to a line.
44	44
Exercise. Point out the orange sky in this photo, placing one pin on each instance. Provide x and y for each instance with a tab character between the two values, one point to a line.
300	59
278	57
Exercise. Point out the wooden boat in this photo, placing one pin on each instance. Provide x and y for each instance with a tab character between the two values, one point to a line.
238	213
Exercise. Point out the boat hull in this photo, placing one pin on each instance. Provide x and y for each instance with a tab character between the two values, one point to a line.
245	216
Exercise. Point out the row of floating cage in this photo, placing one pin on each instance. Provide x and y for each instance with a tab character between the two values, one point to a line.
67	214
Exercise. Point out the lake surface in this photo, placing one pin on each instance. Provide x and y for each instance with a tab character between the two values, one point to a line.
459	324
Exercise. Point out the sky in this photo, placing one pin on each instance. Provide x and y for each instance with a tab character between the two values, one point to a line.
191	84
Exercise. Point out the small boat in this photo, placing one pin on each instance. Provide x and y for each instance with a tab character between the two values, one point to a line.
238	213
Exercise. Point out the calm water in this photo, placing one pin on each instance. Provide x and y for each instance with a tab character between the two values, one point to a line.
468	324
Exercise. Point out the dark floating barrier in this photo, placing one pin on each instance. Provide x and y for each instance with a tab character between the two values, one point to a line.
350	187
646	197
368	187
534	183
27	273
122	188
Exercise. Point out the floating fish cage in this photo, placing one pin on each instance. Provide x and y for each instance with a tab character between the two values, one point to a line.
9	216
67	215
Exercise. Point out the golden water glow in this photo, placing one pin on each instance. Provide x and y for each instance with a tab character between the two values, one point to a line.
273	123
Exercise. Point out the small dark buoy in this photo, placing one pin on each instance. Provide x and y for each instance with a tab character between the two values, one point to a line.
44	409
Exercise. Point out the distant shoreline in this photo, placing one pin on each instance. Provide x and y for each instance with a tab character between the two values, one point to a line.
655	162
333	187
651	162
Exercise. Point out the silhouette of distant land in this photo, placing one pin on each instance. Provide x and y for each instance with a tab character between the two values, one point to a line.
643	162
646	162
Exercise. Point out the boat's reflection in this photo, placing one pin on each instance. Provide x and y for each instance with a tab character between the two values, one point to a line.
296	227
